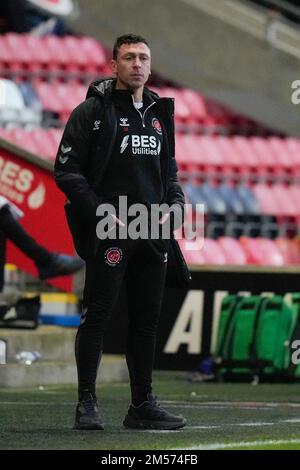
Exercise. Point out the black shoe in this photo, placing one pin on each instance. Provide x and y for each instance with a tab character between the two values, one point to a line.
59	265
149	415
87	414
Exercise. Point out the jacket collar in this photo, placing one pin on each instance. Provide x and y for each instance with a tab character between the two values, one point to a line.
106	86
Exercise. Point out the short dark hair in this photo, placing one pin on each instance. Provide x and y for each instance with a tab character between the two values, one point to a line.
127	39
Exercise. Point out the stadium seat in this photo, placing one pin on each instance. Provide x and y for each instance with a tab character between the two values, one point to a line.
262	252
213	252
231	199
246	195
263	151
194	195
265	196
248	157
40	55
56	135
196	104
44	143
95	54
192	251
289	249
284	197
284	159
30	97
5	55
59	56
20	57
23	139
213	200
293	146
233	163
48	95
234	251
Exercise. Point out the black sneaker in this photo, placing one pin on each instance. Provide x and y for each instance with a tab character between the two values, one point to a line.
59	265
87	414
149	415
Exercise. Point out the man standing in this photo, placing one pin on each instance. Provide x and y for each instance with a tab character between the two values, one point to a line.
120	142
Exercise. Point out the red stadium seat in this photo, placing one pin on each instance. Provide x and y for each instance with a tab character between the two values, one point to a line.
267	201
289	250
192	251
95	54
5	54
263	151
213	252
285	199
49	97
56	135
294	191
59	55
77	55
40	56
293	146
44	143
283	156
234	251
20	55
262	251
196	104
23	139
247	155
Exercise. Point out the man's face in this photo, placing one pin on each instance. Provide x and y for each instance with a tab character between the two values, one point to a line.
132	66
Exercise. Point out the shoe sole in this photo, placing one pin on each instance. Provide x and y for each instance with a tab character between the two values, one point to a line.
132	423
88	427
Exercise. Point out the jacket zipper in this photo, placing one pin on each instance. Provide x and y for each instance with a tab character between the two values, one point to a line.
144	113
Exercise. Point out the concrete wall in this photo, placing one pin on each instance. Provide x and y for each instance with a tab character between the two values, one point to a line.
197	49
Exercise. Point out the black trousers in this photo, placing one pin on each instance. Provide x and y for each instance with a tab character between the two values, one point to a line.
13	231
141	264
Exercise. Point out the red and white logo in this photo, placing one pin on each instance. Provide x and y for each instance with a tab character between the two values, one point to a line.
113	256
156	126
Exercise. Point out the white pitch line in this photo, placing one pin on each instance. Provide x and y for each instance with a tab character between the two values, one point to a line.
291	420
233	404
35	403
221	426
218	445
218	407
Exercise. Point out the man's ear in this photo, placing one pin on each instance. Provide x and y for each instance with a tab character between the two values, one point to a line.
113	66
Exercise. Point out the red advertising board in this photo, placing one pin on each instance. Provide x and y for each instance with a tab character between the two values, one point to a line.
31	187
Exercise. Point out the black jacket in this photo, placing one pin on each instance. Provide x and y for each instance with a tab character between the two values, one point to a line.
87	144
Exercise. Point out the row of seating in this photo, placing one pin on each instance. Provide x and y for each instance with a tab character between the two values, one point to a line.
193	112
48	55
218	156
190	107
239	157
41	142
246	250
279	200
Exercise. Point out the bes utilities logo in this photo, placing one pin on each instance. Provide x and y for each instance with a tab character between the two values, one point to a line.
141	144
